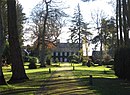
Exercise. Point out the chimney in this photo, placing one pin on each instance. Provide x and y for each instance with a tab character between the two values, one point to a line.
58	41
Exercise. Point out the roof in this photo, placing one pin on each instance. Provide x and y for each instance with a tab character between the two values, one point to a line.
67	47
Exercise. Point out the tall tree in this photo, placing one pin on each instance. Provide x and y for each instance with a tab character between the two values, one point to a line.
125	22
43	33
2	80
97	17
18	71
21	18
79	28
122	22
117	23
54	23
128	3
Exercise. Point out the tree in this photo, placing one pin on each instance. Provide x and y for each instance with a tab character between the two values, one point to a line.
97	17
21	18
117	24
121	64
54	23
76	27
2	80
122	23
20	21
18	71
79	28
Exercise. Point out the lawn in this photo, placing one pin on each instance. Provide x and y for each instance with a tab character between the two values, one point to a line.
37	77
104	80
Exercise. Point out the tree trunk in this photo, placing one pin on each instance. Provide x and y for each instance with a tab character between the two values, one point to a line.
125	30
101	51
2	80
128	13
18	71
43	36
120	23
117	24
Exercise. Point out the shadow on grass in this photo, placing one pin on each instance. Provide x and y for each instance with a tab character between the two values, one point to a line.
18	91
103	84
36	80
63	83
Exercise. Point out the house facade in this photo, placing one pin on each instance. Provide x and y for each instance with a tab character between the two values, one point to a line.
63	50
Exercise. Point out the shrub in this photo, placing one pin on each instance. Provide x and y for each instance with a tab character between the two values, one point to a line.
33	61
56	60
107	58
111	62
74	61
89	63
122	63
73	58
84	62
48	61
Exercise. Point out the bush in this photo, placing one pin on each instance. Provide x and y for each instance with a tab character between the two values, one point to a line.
73	58
56	60
89	63
84	62
122	63
26	58
74	61
107	58
48	61
33	61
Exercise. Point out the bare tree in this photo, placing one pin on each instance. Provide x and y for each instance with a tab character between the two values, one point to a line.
97	18
52	29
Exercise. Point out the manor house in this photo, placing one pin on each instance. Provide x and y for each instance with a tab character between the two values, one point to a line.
63	50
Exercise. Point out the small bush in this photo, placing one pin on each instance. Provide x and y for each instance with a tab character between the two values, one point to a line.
107	58
111	62
89	63
33	62
56	60
84	62
74	61
73	58
48	61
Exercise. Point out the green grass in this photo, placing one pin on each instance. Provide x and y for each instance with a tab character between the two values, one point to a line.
37	77
103	83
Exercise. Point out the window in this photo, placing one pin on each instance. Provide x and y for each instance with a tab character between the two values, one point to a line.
56	53
61	59
61	54
65	53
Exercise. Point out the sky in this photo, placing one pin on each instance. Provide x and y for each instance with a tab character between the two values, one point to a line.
86	9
